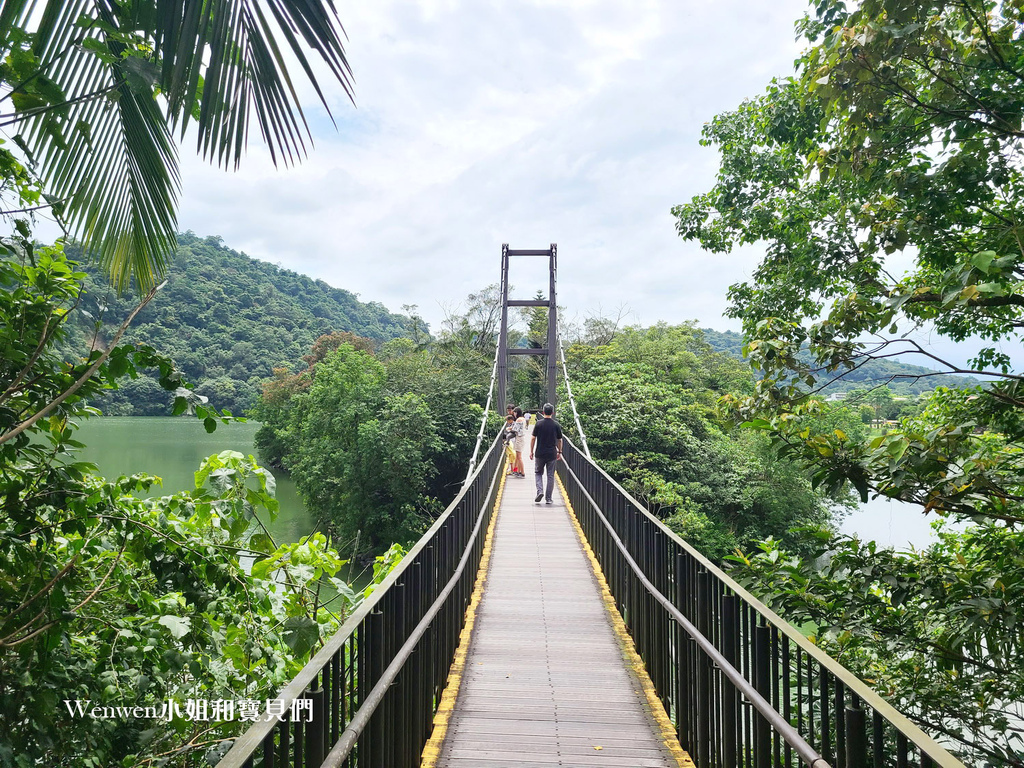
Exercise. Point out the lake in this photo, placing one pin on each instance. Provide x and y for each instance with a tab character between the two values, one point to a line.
172	448
890	523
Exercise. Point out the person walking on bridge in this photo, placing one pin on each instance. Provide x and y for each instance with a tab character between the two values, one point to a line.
546	444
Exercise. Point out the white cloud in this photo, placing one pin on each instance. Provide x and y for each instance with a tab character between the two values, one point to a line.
522	122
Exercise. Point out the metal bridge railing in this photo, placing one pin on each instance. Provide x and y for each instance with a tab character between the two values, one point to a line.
376	684
744	687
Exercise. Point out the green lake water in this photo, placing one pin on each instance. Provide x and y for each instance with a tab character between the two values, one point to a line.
172	449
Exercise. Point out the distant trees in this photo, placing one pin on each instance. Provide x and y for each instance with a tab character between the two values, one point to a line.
647	402
378	438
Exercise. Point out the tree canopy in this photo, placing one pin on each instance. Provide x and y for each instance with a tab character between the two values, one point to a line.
378	436
647	401
900	133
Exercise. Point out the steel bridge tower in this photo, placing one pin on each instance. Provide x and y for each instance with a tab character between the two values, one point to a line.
551	351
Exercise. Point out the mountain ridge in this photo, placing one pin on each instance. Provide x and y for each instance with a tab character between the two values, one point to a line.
227	320
873	373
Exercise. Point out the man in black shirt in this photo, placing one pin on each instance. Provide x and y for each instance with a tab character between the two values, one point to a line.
547	440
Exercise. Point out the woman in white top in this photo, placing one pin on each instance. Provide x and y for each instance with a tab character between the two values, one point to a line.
521	431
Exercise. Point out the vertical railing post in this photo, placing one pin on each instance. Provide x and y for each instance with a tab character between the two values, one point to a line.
268	751
856	736
682	658
376	727
877	740
704	704
315	729
730	698
362	688
762	684
826	718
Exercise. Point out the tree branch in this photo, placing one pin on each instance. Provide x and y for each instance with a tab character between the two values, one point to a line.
12	118
997	55
30	421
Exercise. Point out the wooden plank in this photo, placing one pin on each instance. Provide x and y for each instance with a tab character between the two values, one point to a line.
545	683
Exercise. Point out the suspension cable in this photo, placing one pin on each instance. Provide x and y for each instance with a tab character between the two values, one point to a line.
483	422
572	400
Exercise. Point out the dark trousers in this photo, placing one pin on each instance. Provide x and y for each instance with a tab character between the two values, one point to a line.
543	467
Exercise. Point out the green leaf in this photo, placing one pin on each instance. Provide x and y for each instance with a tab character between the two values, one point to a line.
178	625
117	365
25	102
983	260
261	542
301	634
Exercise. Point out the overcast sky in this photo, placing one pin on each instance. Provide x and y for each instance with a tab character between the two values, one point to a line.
478	123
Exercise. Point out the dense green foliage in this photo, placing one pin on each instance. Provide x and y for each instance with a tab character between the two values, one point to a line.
226	320
115	600
936	632
377	443
899	134
106	598
647	402
898	131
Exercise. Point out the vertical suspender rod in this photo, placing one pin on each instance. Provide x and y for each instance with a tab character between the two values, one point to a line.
503	334
552	326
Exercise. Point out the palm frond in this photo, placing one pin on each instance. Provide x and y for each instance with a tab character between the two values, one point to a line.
107	149
134	73
247	73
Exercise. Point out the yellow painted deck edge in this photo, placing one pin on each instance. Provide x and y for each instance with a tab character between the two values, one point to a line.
631	657
432	749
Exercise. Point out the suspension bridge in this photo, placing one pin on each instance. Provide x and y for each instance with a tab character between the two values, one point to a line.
581	634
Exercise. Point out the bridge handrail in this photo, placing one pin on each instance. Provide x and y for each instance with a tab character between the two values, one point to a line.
930	748
340	752
810	757
241	753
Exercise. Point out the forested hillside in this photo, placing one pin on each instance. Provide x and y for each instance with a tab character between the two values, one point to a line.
901	378
227	321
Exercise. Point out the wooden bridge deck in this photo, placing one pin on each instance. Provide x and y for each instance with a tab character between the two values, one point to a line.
547	678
